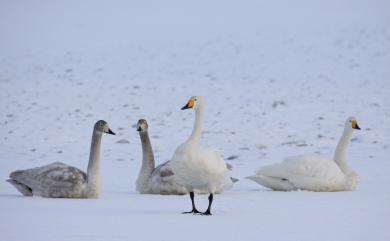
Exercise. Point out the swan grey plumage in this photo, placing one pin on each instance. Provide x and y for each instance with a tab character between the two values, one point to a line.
58	180
151	180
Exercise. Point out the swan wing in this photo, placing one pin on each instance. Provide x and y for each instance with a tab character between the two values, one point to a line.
200	169
308	172
53	180
163	170
211	161
164	181
302	166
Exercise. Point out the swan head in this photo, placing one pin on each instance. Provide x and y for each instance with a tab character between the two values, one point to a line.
142	125
101	126
195	102
351	123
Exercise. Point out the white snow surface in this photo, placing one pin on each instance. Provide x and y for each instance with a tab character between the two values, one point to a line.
279	79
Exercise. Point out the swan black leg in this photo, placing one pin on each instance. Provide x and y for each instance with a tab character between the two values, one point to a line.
208	211
194	210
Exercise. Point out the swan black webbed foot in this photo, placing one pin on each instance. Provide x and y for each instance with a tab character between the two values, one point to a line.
194	210
208	211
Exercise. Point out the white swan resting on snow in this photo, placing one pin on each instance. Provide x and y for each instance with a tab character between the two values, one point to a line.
151	180
198	168
312	172
58	180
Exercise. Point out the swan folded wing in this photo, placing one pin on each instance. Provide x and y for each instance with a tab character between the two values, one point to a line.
163	181
210	170
163	170
306	172
211	161
221	170
352	179
53	180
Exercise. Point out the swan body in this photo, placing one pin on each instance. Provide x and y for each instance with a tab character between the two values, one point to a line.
201	170
160	179
312	172
151	179
53	180
58	180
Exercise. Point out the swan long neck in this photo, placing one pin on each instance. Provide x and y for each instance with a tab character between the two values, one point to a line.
340	156
197	130
93	171
148	163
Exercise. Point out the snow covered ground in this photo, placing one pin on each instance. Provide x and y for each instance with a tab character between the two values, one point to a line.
279	77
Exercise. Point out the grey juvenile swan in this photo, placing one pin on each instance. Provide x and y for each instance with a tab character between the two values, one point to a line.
58	180
151	180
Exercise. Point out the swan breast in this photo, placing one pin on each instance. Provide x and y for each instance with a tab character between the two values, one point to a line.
200	169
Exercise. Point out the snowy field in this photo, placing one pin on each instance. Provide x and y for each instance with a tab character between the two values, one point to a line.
279	78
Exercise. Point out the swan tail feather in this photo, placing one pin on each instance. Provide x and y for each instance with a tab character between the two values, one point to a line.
274	183
24	189
234	179
16	174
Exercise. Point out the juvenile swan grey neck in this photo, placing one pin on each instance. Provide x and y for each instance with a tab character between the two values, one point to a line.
148	163
93	172
340	156
197	130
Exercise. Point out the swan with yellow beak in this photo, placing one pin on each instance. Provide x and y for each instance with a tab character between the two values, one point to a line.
201	170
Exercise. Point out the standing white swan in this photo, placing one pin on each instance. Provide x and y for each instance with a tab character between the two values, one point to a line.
151	180
58	180
312	172
199	169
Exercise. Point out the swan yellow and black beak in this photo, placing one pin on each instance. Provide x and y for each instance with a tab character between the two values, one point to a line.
355	125
110	132
189	105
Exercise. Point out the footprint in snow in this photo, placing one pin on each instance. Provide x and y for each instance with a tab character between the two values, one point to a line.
261	146
244	148
123	141
232	157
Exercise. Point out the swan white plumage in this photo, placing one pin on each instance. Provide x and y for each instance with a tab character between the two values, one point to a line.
201	170
151	180
58	180
312	172
160	179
